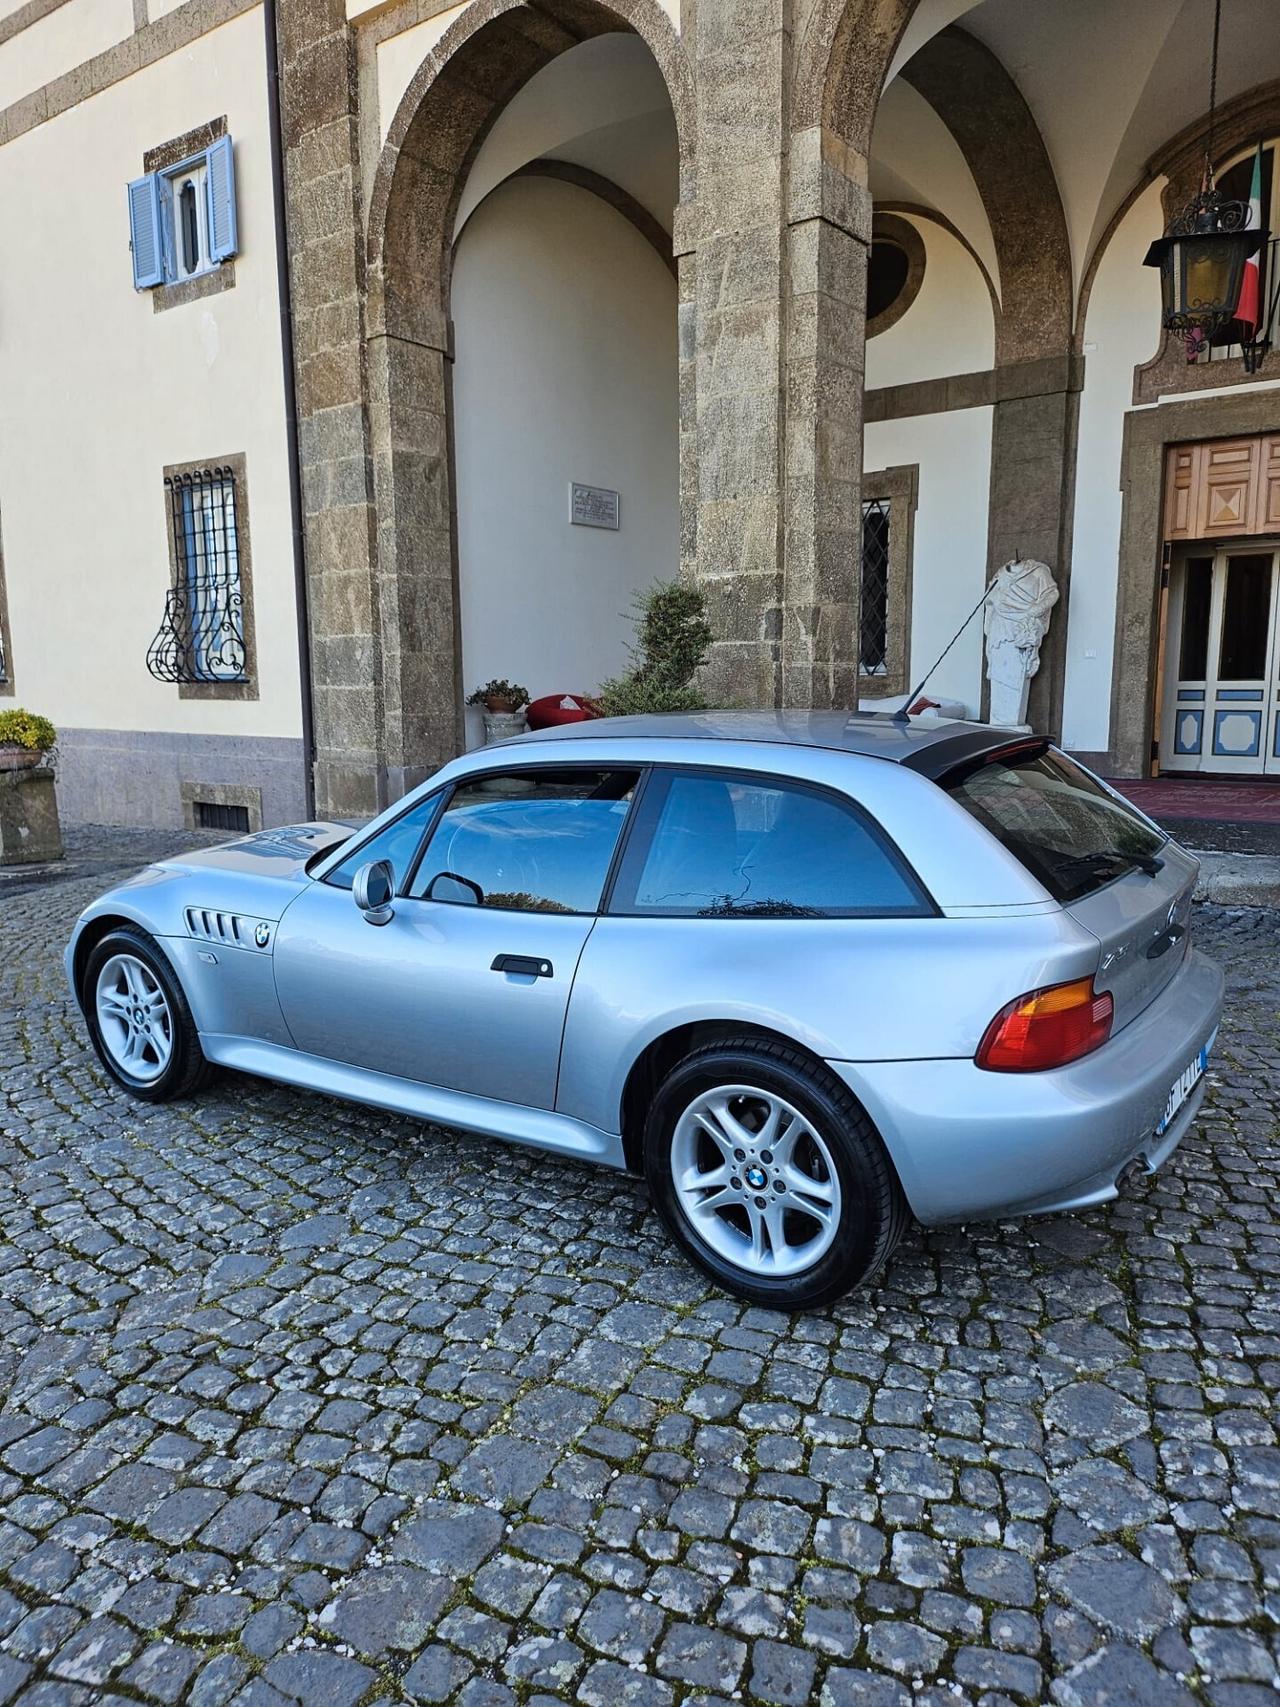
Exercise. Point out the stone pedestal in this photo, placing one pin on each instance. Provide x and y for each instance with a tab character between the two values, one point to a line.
29	830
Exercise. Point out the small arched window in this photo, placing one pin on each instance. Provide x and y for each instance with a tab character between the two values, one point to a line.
895	271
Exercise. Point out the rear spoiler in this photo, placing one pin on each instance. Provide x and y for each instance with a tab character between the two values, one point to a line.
952	756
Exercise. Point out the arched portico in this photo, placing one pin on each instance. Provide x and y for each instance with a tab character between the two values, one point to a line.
788	141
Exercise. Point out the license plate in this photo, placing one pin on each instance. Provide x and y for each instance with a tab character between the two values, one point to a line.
1183	1085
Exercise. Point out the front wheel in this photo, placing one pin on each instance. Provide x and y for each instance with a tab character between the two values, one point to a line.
770	1176
139	1020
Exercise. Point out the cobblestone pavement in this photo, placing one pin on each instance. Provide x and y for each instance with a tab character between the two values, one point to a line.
304	1403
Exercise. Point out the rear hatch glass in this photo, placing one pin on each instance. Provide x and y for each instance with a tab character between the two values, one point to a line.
1113	871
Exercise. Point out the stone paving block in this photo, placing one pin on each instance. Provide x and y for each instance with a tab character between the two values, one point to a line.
392	1608
705	1658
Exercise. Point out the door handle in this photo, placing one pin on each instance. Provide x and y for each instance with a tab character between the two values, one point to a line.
527	964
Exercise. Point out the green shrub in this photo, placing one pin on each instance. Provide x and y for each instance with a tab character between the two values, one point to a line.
24	729
672	635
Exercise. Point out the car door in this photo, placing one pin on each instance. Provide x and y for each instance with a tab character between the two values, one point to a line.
466	986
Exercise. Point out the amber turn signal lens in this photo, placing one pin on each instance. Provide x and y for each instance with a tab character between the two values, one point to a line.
1047	1028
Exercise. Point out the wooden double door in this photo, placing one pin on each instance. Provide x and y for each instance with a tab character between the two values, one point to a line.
1221	693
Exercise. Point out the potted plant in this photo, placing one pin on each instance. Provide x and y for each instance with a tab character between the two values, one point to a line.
503	703
25	739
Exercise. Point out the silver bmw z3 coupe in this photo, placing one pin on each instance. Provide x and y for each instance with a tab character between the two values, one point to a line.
810	974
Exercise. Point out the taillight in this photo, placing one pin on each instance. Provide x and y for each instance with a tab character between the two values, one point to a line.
1047	1028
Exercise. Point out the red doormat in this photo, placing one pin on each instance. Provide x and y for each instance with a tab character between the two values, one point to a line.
1210	800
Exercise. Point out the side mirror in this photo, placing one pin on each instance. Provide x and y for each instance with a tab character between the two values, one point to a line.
372	890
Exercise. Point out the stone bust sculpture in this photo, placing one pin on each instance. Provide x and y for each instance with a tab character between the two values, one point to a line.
1015	623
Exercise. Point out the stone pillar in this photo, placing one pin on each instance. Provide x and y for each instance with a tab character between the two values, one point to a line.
781	230
1033	448
741	53
828	233
29	830
321	159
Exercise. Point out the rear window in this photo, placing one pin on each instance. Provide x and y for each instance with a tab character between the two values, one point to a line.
1072	835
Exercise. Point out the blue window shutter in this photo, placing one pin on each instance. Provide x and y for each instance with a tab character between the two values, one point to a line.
223	237
145	234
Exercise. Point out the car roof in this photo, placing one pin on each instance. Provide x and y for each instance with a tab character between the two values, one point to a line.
930	745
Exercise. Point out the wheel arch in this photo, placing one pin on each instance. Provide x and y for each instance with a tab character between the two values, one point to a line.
92	933
662	1053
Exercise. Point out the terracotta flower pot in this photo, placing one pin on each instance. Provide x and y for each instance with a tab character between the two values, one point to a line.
16	758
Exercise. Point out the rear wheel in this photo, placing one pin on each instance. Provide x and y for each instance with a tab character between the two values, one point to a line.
139	1020
770	1176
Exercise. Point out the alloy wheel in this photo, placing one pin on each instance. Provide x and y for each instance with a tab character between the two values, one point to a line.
755	1181
134	1019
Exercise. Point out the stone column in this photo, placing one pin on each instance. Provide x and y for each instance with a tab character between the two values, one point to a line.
828	233
780	232
321	157
741	51
1033	449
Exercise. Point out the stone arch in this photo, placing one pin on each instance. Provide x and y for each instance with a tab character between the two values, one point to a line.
842	64
484	57
843	60
986	113
481	61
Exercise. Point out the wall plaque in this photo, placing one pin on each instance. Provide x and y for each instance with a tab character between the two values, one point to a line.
592	506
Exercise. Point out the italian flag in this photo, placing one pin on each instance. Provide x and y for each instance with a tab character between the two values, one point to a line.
1249	305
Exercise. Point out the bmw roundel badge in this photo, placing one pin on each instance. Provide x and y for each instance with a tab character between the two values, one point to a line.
262	934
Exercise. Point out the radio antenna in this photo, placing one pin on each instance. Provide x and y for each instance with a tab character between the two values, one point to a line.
903	713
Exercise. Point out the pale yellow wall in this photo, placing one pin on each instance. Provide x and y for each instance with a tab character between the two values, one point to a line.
98	393
60	41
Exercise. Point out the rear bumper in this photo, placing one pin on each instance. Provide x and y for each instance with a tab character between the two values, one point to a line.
973	1145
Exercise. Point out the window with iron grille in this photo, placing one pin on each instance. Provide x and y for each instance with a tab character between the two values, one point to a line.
884	607
873	607
205	639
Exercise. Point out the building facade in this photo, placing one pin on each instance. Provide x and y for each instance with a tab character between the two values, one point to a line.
355	351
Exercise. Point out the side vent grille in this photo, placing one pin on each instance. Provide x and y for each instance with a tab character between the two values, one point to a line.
218	927
230	930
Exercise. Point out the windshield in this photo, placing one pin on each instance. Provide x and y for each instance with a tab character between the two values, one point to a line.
1070	832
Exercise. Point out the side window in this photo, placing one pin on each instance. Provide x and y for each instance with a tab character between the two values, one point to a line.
397	841
721	846
533	842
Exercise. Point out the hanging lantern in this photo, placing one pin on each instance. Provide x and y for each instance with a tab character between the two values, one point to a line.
1201	260
1202	255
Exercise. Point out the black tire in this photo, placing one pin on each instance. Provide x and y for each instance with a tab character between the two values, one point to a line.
187	1070
873	1212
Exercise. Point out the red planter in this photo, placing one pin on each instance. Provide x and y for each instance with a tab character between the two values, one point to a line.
556	708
